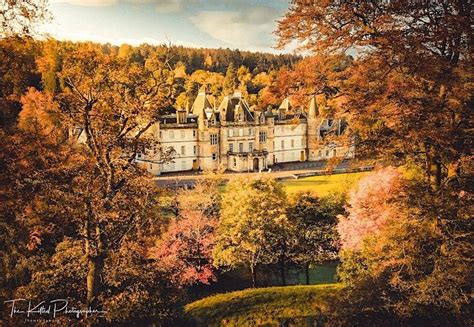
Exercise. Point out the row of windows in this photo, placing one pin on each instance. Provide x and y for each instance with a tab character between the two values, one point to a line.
283	128
182	134
241	147
172	165
231	132
292	144
292	156
183	150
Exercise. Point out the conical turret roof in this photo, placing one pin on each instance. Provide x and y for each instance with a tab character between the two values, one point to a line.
313	111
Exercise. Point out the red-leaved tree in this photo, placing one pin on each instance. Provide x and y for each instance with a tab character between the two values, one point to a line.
185	249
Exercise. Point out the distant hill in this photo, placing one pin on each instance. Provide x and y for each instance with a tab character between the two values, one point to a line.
214	60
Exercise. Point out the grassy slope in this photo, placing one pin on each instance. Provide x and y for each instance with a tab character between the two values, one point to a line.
323	185
262	306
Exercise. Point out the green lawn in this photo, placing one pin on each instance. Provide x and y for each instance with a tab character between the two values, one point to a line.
323	185
271	306
321	274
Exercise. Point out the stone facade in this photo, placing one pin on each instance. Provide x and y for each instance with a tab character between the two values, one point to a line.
234	137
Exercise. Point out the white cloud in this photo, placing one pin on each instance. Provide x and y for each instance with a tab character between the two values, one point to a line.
250	28
169	6
162	6
83	35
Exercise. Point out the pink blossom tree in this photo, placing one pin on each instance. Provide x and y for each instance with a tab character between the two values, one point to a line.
371	207
185	249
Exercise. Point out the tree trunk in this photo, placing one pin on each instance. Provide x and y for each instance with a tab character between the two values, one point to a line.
306	271
253	270
283	271
95	264
435	173
434	170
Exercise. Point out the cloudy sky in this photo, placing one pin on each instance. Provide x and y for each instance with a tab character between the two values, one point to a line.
243	24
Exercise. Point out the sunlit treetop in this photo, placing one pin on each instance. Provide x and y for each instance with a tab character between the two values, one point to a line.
20	17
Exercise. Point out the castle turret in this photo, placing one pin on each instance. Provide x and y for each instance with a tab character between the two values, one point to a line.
201	103
313	129
313	111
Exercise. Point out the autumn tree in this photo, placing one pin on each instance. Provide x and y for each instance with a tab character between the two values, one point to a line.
40	115
203	197
185	249
312	222
39	166
391	241
244	77
18	71
250	227
320	75
408	98
138	289
370	207
21	17
49	64
76	164
113	104
212	81
230	80
409	94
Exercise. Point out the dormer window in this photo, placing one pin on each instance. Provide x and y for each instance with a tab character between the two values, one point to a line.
281	114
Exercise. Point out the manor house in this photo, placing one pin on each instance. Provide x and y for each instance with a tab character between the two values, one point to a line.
235	137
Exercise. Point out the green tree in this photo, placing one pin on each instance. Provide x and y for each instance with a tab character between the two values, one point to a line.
313	221
249	230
